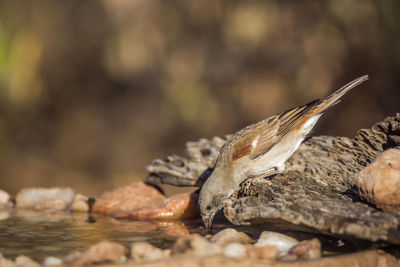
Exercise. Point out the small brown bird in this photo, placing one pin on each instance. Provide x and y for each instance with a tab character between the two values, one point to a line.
261	149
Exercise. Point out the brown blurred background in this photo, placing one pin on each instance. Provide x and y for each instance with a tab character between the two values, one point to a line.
92	91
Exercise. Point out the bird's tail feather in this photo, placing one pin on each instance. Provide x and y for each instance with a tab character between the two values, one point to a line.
334	98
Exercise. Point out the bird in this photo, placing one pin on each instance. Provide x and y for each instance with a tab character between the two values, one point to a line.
261	148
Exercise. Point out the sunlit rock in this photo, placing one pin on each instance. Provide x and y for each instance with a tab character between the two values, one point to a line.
229	235
49	199
128	199
235	250
196	245
80	203
104	251
146	251
4	199
180	206
24	261
379	182
52	262
282	242
307	249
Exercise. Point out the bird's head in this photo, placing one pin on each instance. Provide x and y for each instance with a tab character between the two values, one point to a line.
211	199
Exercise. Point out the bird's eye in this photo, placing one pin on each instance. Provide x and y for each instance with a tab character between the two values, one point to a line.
208	207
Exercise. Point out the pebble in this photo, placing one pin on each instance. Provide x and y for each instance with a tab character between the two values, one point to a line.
307	249
128	199
196	245
24	261
379	182
6	262
4	215
52	262
235	250
282	242
80	203
267	253
229	235
146	251
4	199
177	207
49	199
104	251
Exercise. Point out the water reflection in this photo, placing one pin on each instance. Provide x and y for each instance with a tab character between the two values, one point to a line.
39	234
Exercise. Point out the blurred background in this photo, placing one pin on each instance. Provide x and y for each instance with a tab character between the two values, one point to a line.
92	91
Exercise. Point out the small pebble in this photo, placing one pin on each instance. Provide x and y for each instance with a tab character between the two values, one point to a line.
282	242
230	235
307	249
195	244
4	199
146	251
80	203
49	199
52	262
235	250
24	261
262	253
6	262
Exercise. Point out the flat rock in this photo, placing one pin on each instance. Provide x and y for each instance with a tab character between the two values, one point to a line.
177	207
49	199
128	199
104	251
379	182
316	193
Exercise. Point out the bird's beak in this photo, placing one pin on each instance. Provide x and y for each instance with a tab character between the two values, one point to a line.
207	221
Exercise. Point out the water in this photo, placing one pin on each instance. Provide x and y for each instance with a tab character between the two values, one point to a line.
38	234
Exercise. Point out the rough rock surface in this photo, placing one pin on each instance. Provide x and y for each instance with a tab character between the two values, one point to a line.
49	199
128	199
379	182
315	193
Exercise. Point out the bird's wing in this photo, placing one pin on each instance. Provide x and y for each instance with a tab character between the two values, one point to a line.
259	138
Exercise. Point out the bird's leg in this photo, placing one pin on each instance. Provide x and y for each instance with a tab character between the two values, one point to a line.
260	178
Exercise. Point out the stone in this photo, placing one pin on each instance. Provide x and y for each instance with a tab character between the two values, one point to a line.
4	199
127	199
6	262
104	251
24	261
307	249
235	250
266	253
196	245
80	203
379	182
229	235
48	199
315	193
52	262
4	215
282	242
177	207
146	251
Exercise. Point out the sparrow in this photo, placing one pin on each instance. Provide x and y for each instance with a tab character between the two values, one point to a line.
261	149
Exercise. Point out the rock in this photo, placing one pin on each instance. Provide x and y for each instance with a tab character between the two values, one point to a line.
229	235
80	203
267	253
6	262
282	242
4	215
52	262
104	251
145	251
176	207
49	199
4	199
379	182
307	249
128	199
196	245
235	250
24	261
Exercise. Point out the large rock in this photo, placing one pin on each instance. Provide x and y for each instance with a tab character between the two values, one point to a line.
379	182
49	199
128	199
315	193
